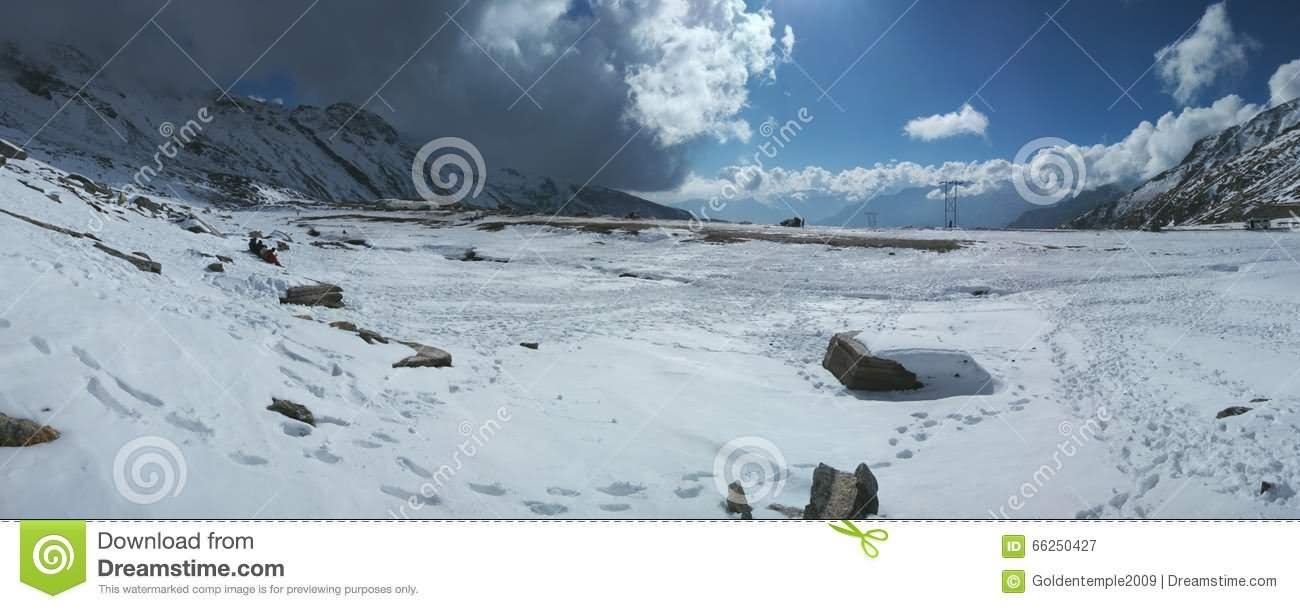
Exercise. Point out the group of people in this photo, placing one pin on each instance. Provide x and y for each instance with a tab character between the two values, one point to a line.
263	251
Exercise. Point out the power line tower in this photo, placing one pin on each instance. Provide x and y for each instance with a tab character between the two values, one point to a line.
950	197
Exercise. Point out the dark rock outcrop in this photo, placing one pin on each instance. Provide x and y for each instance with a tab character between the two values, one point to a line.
1233	411
293	410
854	366
838	495
9	151
737	503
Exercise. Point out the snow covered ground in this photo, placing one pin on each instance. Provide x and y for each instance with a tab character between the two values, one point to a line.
1068	374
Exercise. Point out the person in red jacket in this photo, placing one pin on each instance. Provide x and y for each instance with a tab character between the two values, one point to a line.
268	255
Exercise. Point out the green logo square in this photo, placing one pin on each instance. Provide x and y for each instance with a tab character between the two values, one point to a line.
1013	582
52	554
1013	546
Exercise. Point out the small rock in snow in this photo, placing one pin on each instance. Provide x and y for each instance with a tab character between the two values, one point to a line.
16	433
294	411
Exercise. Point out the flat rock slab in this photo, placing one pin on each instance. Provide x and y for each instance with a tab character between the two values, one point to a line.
856	368
323	295
425	357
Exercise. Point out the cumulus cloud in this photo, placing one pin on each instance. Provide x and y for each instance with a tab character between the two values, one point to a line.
697	59
1147	150
965	121
1152	148
1195	62
1284	85
787	44
679	70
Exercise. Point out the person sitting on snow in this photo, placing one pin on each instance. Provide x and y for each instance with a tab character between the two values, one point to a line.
255	245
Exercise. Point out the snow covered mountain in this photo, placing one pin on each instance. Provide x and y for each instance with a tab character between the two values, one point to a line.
237	151
1224	178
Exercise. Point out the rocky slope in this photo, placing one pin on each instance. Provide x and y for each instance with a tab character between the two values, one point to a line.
1059	214
238	151
1225	178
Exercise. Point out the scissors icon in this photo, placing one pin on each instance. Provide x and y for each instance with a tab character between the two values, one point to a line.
868	548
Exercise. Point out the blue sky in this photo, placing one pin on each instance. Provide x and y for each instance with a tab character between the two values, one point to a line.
941	52
684	72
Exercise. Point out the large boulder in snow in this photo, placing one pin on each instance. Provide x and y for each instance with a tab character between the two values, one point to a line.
293	410
838	495
9	151
425	357
323	295
16	433
854	366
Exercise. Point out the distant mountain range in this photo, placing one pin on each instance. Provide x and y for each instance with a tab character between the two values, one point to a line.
243	152
913	207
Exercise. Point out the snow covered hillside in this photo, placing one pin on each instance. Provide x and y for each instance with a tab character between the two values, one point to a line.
1066	374
1224	178
241	152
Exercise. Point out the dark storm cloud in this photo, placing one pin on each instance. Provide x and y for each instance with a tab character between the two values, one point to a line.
464	81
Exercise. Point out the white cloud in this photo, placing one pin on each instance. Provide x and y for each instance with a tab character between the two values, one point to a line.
787	44
1152	148
967	120
1193	63
1147	150
506	25
1284	85
697	59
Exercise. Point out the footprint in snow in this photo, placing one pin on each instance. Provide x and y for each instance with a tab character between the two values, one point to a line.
906	453
245	459
689	492
143	396
100	393
409	497
296	429
545	509
188	424
41	345
621	489
562	492
615	507
366	444
4	323
85	358
494	489
324	455
695	477
410	466
379	435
